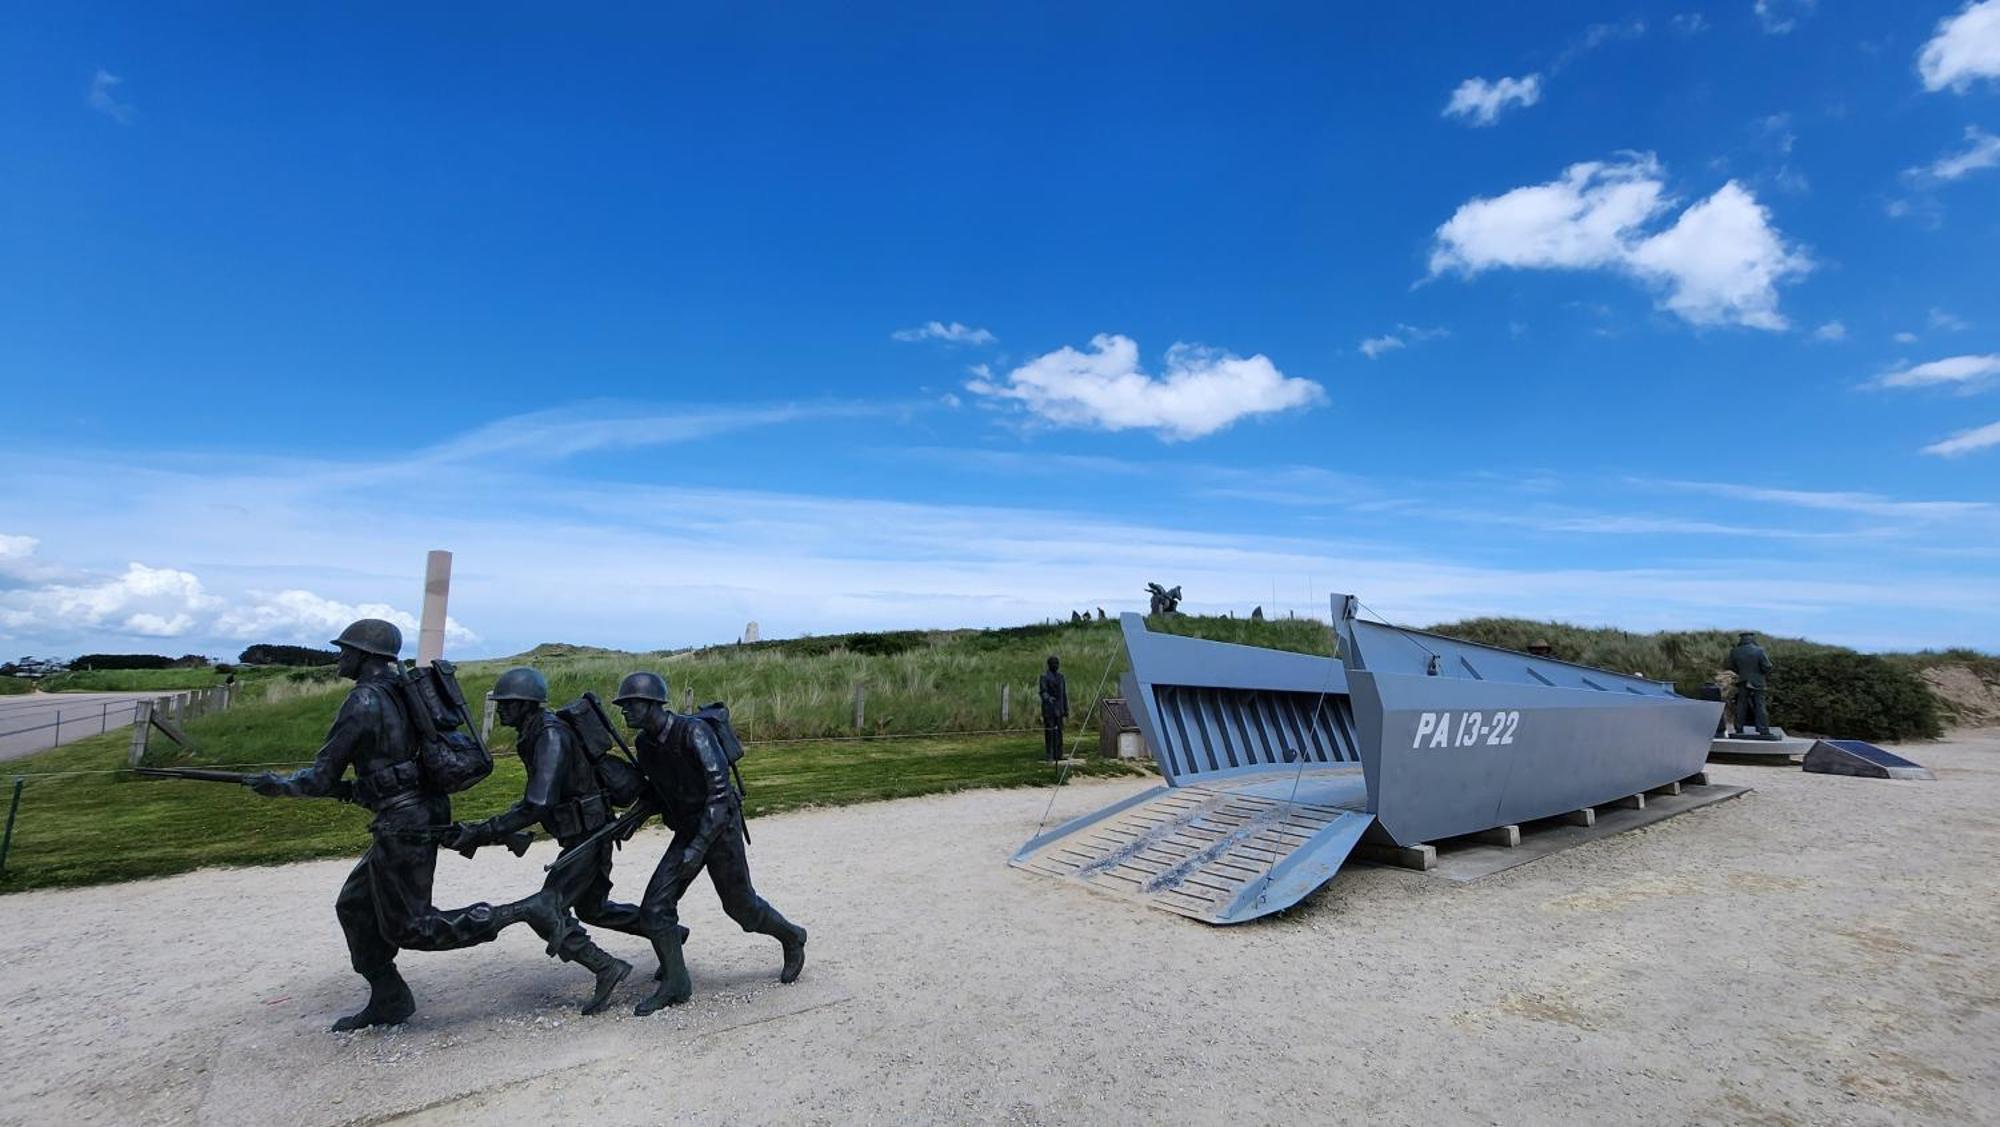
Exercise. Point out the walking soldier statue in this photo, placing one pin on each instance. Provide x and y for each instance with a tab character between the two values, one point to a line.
564	797
385	904
687	773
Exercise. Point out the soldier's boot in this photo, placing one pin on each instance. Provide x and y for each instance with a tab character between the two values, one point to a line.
610	971
543	912
661	971
389	1002
675	985
792	938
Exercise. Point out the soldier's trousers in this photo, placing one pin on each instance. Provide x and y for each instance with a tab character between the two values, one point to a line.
1750	707
1052	737
584	886
385	904
728	865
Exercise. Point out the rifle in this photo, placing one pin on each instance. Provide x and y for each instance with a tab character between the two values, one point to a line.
605	718
198	774
517	842
621	830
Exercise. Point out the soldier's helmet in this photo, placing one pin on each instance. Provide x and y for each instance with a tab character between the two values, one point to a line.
522	683
641	686
374	636
1746	636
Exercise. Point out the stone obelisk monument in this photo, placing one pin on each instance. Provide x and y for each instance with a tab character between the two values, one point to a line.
437	589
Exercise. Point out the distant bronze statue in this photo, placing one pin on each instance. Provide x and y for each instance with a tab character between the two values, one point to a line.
1165	600
1752	666
385	905
564	797
1054	692
688	775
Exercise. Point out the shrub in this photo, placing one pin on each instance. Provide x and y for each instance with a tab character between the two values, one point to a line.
1853	695
123	661
265	653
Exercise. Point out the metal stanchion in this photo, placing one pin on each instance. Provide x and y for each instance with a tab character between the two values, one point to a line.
7	840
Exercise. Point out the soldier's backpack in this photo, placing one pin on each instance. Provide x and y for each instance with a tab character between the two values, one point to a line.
716	716
450	756
620	781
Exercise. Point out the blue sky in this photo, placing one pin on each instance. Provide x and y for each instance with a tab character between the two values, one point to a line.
666	319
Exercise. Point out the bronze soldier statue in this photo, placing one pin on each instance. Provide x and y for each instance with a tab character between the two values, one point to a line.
564	797
385	904
687	773
1054	692
1751	665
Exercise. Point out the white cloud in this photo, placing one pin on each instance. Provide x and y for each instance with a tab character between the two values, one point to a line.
953	333
103	97
1779	17
1947	321
1964	372
147	601
1201	392
1831	331
16	547
565	432
1690	23
1964	49
1844	501
1905	337
1966	442
310	619
1481	102
1401	337
1982	151
1719	262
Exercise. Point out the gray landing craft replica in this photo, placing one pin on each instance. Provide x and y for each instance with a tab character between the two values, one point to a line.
1277	764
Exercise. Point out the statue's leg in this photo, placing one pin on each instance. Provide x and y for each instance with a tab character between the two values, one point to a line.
659	916
728	865
372	954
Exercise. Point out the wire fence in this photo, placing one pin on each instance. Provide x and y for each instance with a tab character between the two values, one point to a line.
123	712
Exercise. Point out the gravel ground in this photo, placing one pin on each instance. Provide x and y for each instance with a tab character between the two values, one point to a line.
1822	950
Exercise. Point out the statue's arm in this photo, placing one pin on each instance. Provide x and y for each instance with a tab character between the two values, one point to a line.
545	762
718	810
360	714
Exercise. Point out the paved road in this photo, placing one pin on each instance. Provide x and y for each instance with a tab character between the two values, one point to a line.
28	723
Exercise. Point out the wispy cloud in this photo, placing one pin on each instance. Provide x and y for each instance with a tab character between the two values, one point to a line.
1479	102
1962	372
1718	262
1781	17
1963	50
1966	442
1947	321
103	97
1105	388
1982	151
565	432
1868	504
952	333
1831	331
1402	336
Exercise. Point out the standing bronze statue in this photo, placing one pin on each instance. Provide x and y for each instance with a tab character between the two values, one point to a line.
1054	692
385	904
687	773
1752	666
563	797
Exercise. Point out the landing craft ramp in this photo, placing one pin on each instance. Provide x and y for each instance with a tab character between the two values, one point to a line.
1277	763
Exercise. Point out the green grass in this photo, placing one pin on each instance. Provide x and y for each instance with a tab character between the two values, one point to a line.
163	680
104	825
15	686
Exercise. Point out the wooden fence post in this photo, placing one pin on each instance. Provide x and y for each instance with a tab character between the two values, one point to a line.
860	703
486	721
1006	703
142	722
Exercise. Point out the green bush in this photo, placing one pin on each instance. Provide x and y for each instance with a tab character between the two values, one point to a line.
1851	695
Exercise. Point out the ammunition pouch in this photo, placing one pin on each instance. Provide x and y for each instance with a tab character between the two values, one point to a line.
376	788
578	817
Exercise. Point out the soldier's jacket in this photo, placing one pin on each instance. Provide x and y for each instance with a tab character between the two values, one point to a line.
1055	694
689	776
372	736
562	794
1750	664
